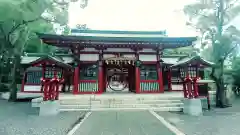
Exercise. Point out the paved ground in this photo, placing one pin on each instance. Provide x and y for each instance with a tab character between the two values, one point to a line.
21	119
215	122
122	123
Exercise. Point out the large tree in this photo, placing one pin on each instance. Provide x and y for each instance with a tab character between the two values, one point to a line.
219	42
19	21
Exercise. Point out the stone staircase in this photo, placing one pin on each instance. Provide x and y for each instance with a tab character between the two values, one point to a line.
158	102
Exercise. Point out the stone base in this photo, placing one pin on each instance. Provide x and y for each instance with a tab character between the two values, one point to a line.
49	108
192	107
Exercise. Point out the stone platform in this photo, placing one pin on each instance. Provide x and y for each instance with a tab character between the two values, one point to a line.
168	101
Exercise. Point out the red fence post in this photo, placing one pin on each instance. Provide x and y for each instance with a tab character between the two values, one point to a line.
76	79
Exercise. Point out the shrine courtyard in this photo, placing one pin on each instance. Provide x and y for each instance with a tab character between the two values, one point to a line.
20	118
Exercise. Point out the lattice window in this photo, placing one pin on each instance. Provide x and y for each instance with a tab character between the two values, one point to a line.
59	73
182	73
33	77
49	72
148	72
192	71
88	72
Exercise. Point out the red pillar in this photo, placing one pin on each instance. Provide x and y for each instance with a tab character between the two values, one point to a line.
43	75
159	70
137	74
195	85
100	73
189	88
45	91
76	79
23	81
100	78
169	79
57	90
184	89
195	82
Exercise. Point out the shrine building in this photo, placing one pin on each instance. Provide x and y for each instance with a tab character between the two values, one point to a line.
111	62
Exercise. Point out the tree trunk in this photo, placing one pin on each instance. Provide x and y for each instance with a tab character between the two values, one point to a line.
221	99
14	74
1	75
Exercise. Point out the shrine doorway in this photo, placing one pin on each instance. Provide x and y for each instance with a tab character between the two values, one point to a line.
119	75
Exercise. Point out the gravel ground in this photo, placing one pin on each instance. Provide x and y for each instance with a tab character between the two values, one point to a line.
20	118
214	122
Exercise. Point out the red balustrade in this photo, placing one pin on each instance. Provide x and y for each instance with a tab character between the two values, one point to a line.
51	88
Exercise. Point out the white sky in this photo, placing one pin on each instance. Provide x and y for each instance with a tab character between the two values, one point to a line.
137	15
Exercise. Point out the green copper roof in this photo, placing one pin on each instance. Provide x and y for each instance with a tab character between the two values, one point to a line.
193	60
163	32
116	42
126	39
58	61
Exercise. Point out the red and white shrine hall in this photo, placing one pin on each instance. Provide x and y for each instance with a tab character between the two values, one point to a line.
112	61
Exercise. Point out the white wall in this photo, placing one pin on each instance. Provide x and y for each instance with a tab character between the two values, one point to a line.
145	57
34	88
89	57
37	88
129	55
105	56
89	49
118	50
147	50
177	87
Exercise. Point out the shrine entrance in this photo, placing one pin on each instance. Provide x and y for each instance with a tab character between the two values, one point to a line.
119	75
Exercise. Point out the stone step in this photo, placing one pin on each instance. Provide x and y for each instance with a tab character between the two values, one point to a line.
119	101
173	109
119	97
121	106
124	98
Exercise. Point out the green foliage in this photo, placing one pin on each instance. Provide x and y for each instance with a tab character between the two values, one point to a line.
217	41
182	51
19	21
235	71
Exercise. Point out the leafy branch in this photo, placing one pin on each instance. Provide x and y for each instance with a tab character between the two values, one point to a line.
230	51
230	5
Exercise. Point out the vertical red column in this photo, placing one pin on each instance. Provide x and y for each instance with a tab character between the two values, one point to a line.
184	90
195	85
76	79
169	79
54	85
57	90
45	91
195	88
23	81
137	73
100	72
159	70
43	75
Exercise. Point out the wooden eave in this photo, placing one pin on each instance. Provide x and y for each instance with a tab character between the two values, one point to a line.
162	32
195	60
52	60
115	42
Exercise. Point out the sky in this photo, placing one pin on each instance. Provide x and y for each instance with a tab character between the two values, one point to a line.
133	15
